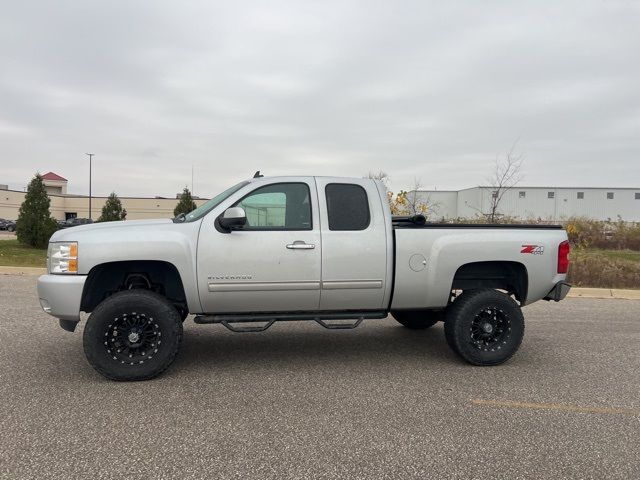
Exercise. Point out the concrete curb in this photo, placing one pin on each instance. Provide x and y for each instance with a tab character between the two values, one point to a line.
22	270
578	292
575	292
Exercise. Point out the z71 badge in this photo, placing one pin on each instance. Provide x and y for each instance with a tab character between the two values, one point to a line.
532	249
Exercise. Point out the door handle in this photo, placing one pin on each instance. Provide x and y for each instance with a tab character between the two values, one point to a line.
300	245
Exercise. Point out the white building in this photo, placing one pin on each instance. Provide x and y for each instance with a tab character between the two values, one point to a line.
546	203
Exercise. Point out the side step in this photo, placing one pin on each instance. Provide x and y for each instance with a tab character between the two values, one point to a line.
268	319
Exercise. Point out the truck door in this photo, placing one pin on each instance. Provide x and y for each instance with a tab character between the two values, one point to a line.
272	264
355	253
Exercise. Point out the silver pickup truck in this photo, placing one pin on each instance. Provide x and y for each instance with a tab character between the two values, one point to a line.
296	248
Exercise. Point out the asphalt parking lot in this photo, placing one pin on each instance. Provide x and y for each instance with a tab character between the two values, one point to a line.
299	401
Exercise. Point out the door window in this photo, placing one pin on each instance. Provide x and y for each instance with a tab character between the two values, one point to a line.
347	206
281	206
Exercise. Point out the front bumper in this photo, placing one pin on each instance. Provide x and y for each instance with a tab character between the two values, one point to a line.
558	292
60	295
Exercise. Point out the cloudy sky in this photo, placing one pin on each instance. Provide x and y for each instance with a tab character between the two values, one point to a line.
433	90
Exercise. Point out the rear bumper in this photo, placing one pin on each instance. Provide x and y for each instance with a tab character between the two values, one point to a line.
60	295
559	292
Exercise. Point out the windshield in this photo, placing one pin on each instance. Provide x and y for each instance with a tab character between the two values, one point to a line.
205	208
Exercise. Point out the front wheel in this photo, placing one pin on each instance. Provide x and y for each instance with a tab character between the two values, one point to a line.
484	327
133	335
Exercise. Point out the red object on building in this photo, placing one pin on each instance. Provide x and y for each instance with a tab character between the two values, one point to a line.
53	176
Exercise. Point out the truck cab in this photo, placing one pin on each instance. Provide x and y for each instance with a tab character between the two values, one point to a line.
305	244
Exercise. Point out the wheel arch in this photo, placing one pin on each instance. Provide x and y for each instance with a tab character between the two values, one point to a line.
501	275
108	278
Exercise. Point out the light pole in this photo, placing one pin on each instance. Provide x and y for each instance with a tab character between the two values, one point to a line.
90	158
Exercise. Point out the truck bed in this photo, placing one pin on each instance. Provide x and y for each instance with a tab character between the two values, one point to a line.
429	255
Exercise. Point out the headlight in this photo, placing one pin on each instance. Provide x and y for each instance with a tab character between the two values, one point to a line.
62	257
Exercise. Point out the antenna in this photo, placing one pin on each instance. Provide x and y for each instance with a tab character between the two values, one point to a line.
257	175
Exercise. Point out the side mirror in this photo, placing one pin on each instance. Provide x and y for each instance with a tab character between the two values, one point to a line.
233	218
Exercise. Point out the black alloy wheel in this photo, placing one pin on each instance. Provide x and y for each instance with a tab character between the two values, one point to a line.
133	338
490	329
133	335
484	327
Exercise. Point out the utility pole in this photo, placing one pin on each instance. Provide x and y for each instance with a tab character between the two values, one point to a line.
192	179
90	158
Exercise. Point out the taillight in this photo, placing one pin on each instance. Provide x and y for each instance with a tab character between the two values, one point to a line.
563	256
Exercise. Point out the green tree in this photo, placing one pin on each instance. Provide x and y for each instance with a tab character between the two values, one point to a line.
186	203
112	210
34	225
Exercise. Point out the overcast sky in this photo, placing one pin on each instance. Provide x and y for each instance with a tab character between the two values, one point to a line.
433	90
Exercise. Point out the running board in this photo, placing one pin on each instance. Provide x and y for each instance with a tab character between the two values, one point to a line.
233	328
339	326
228	320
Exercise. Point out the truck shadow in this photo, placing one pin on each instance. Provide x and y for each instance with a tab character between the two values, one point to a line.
294	346
307	344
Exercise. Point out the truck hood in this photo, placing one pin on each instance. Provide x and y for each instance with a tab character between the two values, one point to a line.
128	226
141	240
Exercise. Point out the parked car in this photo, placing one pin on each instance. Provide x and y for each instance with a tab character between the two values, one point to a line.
74	222
8	225
296	248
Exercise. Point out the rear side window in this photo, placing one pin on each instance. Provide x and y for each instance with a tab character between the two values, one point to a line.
347	206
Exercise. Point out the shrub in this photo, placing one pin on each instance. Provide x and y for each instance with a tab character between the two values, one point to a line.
586	233
626	235
112	210
618	235
594	268
186	203
34	225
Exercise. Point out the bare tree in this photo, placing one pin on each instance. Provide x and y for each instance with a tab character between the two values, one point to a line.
420	204
507	174
406	203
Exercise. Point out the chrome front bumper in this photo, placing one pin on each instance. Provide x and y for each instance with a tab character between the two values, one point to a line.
60	295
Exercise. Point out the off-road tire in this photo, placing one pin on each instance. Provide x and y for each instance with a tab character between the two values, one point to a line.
465	318
148	311
418	319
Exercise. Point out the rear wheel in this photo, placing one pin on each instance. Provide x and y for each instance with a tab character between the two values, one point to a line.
484	327
133	335
418	319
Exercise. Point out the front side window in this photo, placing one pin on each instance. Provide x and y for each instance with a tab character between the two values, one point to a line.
347	206
281	206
